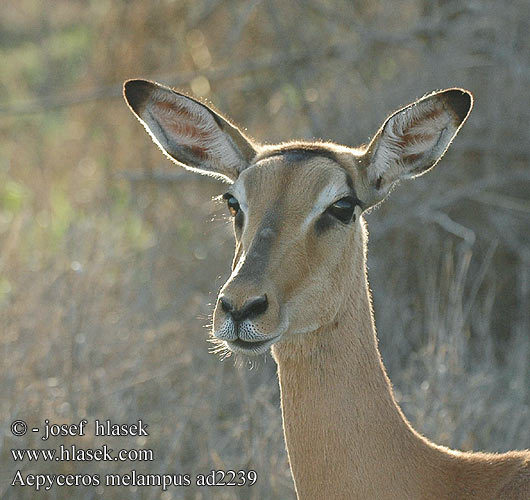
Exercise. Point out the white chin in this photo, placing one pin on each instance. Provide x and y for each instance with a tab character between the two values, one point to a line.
250	348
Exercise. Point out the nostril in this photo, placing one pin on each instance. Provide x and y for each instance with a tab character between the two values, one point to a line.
226	306
252	308
255	306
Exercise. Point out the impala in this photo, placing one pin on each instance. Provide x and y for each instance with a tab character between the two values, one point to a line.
299	286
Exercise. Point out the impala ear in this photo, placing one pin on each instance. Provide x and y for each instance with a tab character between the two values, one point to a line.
413	139
189	132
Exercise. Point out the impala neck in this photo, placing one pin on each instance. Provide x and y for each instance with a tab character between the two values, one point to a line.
343	428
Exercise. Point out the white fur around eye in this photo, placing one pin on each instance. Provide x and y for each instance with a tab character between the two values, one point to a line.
335	190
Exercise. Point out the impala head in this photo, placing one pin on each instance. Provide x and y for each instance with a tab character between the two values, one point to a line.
296	207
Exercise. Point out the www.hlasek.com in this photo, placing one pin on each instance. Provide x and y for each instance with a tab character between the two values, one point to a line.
74	453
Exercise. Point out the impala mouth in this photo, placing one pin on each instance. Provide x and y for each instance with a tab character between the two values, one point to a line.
252	348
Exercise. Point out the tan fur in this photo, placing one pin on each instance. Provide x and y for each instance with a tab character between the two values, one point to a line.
346	436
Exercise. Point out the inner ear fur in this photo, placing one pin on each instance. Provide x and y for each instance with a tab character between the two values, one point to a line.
413	139
188	131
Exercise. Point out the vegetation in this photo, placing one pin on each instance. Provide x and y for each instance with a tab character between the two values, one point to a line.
110	257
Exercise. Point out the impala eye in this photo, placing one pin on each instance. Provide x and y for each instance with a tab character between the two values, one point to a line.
343	209
233	204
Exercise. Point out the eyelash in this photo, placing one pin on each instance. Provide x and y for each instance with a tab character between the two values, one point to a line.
343	209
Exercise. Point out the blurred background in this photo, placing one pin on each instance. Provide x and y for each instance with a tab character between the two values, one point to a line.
110	256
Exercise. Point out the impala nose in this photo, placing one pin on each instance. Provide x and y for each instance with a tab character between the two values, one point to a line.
251	308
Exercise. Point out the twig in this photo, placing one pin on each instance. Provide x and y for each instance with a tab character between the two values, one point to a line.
449	198
453	227
501	201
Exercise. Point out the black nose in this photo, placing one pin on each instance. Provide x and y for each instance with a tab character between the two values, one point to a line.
251	308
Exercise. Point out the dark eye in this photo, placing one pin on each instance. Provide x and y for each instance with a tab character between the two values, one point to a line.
233	204
343	209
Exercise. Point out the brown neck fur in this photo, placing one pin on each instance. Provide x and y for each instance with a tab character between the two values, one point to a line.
346	436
